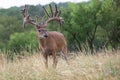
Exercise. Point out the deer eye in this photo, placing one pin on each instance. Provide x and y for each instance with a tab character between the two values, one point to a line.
39	30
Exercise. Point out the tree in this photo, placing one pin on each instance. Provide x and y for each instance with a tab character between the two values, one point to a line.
110	23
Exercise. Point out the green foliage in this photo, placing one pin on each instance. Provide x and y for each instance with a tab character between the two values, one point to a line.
23	41
88	26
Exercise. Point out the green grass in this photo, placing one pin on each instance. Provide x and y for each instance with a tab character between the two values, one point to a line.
82	67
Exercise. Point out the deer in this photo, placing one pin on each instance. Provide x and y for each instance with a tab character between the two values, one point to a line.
51	43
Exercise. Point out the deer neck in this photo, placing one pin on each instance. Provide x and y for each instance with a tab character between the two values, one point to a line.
42	42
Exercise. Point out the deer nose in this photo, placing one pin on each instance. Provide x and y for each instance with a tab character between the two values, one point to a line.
45	36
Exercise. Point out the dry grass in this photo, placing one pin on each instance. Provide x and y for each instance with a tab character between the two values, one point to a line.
97	67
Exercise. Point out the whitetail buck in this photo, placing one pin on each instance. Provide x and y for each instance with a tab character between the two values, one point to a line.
50	42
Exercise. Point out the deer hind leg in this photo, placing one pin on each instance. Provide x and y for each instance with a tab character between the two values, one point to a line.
64	51
54	60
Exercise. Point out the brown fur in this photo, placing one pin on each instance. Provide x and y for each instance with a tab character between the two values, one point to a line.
54	43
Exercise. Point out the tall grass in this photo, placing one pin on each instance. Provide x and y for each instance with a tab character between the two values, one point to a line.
98	67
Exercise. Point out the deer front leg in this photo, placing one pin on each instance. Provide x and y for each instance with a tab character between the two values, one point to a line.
45	60
54	60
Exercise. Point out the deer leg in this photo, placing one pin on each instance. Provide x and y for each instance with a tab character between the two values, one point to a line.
65	55
54	60
45	60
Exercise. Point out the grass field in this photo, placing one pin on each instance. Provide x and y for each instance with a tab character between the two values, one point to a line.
82	67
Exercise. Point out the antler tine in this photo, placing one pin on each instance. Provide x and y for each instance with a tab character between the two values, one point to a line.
23	11
58	14
26	17
37	20
43	20
46	11
56	10
55	15
26	10
51	10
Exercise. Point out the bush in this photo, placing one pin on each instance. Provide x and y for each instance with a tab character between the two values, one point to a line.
23	41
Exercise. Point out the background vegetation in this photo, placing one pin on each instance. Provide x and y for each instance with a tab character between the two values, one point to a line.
89	26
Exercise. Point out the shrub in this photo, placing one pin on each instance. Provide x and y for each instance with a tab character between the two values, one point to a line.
23	41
